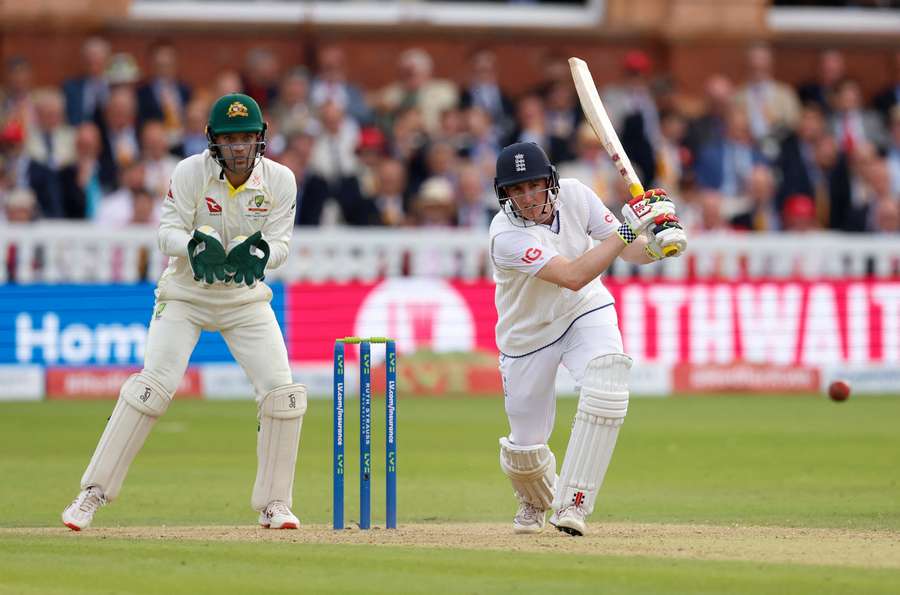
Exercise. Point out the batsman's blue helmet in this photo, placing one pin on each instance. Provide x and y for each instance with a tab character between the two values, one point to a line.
523	162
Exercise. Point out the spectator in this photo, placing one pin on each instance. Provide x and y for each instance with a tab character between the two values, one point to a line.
772	107
417	88
562	115
800	173
887	216
120	138
292	111
710	126
434	205
334	153
158	162
832	69
799	213
725	166
370	151
893	153
50	147
195	140
851	190
594	168
670	152
482	145
15	96
851	124
889	98
228	81
408	135
86	96
476	206
389	199
330	84
164	96
143	208
20	206
483	91
260	77
531	125
117	209
312	189
89	178
711	217
762	214
634	115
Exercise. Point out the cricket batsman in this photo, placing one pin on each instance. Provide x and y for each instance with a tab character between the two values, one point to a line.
549	244
227	217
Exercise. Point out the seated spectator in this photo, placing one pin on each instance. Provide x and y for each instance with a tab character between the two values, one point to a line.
893	154
164	97
771	107
886	216
120	136
370	151
86	95
292	109
260	77
418	88
709	127
482	141
20	206
562	115
117	209
800	173
158	162
312	189
89	178
228	81
711	217
889	98
831	70
483	91
331	84
670	153
16	103
389	199
799	214
434	205
725	166
763	212
194	140
853	188
850	123
143	208
476	205
50	147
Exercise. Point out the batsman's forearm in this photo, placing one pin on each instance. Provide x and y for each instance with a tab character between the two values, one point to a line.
592	263
173	241
636	252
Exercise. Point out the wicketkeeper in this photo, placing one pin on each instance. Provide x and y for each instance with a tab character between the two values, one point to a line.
549	244
227	217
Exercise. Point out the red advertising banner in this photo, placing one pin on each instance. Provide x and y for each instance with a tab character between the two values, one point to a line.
777	322
104	383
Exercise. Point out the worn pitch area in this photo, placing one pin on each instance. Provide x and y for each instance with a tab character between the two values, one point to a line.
789	545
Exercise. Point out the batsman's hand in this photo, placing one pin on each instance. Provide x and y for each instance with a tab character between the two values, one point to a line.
248	260
207	257
667	238
640	212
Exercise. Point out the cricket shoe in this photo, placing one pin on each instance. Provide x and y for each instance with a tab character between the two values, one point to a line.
529	519
277	515
570	520
79	514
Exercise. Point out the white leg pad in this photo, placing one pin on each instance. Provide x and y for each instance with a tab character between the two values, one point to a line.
280	418
602	406
141	401
532	471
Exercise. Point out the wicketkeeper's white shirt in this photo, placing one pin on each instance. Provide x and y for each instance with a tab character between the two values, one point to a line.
533	313
199	194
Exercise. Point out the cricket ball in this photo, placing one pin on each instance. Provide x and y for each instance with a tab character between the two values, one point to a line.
839	390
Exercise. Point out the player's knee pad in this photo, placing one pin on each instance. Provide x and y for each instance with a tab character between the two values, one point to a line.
604	390
141	401
532	471
280	419
146	395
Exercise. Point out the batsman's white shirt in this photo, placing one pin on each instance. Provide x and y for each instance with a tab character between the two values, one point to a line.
200	195
533	313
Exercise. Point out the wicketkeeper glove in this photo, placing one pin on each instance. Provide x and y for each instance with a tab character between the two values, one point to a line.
207	257
640	212
249	265
667	238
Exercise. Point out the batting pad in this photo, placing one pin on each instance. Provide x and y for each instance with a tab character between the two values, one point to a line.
280	417
602	406
141	401
532	471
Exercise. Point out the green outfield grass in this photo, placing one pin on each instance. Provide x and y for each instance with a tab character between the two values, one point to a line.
765	461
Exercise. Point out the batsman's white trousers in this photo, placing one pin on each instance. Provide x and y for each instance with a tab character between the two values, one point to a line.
250	331
529	382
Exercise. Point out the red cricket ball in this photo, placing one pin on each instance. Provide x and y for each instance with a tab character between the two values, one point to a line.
839	390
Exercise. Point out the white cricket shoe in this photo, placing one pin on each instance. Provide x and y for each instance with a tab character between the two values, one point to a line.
570	520
79	514
529	519
277	515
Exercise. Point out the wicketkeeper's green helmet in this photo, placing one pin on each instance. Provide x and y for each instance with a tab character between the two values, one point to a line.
235	113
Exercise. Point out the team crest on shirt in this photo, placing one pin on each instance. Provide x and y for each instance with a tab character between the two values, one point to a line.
237	110
258	206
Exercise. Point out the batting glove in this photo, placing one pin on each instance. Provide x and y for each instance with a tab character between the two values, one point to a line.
667	238
640	212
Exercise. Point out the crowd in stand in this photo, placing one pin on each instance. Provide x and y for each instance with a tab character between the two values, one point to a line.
754	154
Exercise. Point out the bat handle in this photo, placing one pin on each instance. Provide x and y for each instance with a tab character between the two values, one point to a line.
637	189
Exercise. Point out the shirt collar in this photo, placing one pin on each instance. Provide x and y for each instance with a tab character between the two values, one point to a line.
214	173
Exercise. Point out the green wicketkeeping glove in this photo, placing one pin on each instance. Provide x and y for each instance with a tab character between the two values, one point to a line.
248	267
207	256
